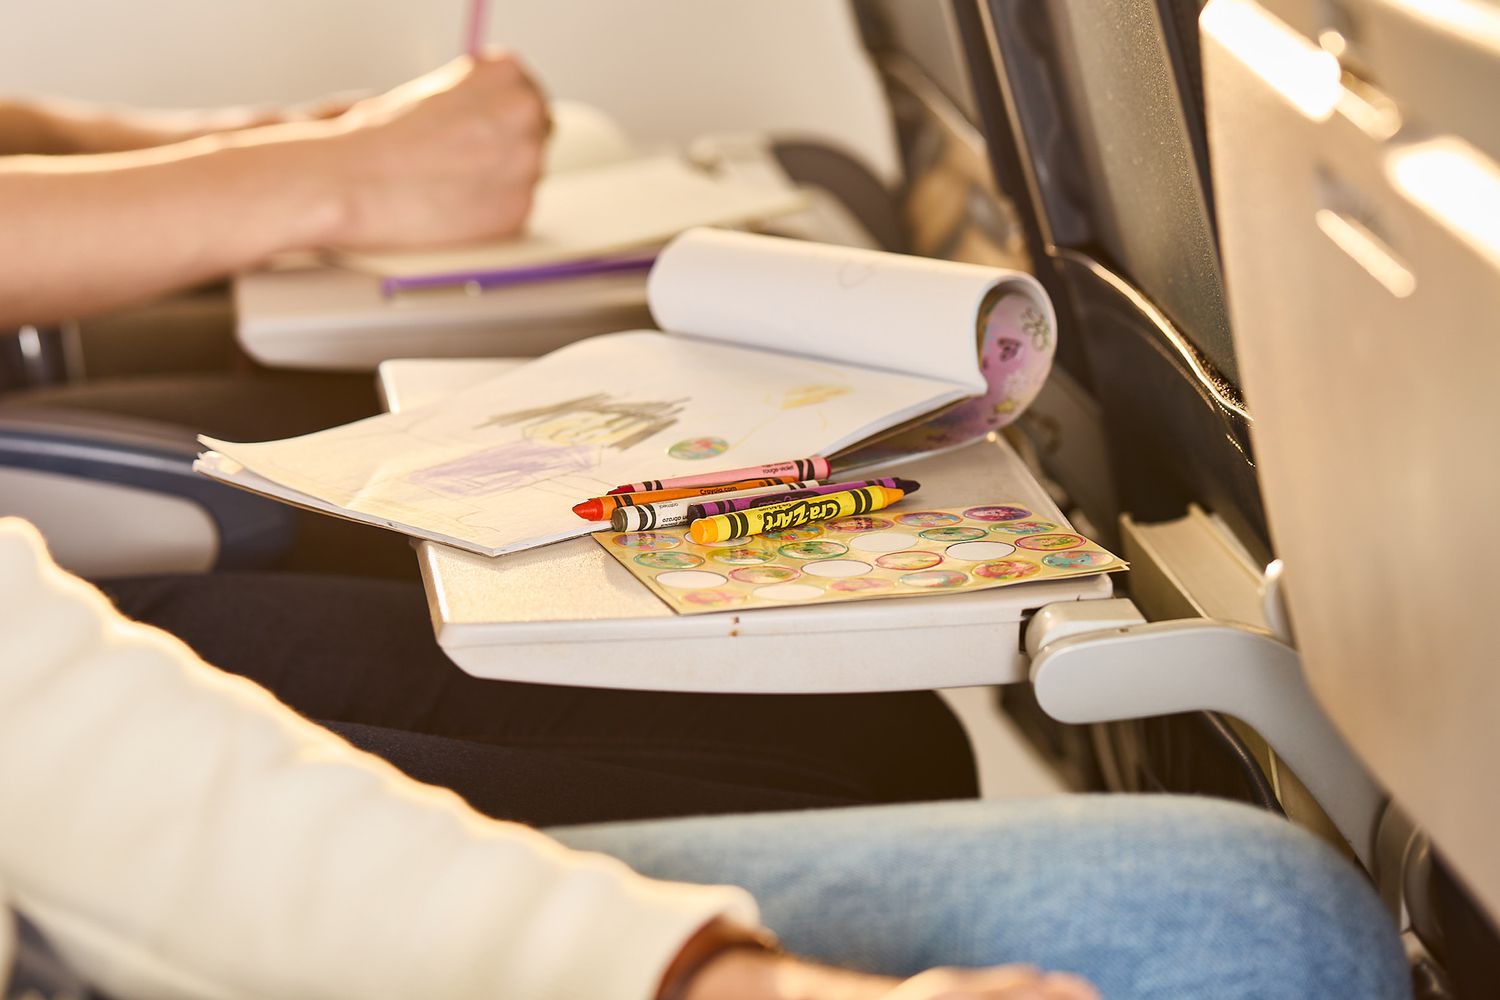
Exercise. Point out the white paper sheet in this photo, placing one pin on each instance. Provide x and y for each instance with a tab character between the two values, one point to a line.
863	307
499	467
596	211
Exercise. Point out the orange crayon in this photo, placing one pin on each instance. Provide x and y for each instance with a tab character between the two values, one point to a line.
600	508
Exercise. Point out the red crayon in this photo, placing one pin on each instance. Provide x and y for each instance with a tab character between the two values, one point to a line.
600	508
791	472
715	507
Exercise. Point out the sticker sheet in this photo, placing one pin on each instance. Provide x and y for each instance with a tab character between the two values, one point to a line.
903	551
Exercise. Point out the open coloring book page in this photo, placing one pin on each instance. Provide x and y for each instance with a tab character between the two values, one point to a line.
793	351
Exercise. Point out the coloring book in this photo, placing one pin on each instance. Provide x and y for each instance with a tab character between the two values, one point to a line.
769	349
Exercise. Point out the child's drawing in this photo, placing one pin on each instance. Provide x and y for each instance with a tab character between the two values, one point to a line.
557	440
597	420
505	467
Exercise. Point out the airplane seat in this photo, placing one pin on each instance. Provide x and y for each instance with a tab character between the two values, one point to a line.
117	496
1099	118
1174	432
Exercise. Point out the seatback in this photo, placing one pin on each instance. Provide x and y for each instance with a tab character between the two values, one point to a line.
1097	118
1357	160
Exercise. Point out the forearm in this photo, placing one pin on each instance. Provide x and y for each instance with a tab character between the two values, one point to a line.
176	831
58	127
83	234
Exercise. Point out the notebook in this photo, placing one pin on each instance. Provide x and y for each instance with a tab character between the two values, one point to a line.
768	349
596	211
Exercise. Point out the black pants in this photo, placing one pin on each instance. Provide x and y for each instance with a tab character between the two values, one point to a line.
358	655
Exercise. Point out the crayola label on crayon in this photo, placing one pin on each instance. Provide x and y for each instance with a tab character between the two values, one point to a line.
792	514
819	509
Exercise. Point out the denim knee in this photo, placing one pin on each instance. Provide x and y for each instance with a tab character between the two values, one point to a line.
1287	915
1148	896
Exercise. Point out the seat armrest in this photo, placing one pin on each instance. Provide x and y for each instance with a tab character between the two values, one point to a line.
118	495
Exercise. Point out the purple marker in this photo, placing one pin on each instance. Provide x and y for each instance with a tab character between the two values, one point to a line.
505	277
715	507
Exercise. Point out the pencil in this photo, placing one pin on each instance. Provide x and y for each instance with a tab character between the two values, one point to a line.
478	16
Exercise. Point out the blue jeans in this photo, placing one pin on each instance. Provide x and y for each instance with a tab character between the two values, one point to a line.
1146	896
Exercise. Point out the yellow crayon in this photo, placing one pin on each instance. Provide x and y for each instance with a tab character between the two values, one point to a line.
792	514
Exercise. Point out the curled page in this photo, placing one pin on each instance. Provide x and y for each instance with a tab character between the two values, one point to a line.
899	313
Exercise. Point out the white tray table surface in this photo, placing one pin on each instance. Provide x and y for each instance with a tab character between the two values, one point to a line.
568	613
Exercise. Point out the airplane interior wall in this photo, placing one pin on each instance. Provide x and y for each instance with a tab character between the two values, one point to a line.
668	71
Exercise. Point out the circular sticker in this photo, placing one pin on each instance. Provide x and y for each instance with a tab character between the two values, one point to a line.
928	519
838	568
669	560
881	541
744	555
859	585
909	560
713	598
1076	560
1025	528
813	550
793	534
694	449
651	541
788	592
953	534
761	575
979	551
1006	569
935	579
725	543
998	512
689	579
1051	543
858	524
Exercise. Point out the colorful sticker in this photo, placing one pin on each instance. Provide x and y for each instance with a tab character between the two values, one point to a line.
1006	569
928	518
1025	528
935	579
953	534
1051	543
852	524
694	449
762	575
838	569
858	557
651	541
860	585
997	512
713	598
744	555
669	560
910	560
789	592
1077	560
793	534
690	579
881	541
979	551
813	550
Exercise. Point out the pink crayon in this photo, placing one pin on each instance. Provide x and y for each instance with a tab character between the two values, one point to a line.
801	468
715	507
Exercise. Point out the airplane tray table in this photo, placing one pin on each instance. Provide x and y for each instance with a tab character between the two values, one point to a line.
568	613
